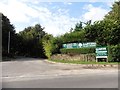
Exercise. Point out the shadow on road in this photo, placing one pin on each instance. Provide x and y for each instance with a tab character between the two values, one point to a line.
21	58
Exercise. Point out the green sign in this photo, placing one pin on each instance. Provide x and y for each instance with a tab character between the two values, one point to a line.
79	45
101	52
69	45
74	45
89	44
64	45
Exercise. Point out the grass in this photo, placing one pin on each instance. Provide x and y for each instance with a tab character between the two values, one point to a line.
83	62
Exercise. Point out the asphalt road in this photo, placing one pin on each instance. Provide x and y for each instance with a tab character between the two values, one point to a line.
81	81
36	73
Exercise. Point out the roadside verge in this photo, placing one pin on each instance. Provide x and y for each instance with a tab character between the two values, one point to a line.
86	65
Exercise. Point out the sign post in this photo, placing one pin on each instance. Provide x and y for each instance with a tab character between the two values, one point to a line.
9	42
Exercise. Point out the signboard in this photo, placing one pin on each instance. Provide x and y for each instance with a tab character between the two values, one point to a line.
74	45
69	45
64	45
89	44
101	52
79	45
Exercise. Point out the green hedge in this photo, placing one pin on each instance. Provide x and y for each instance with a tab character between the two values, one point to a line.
78	50
115	53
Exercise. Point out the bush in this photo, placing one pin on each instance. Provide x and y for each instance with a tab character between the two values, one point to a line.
115	53
78	51
47	45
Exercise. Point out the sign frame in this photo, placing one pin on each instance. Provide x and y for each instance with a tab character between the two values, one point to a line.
101	53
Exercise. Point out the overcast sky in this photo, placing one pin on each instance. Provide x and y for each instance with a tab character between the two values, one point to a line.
56	17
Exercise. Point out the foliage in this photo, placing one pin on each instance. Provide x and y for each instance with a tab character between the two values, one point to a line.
78	27
113	21
31	41
91	32
115	53
57	44
6	28
48	45
48	48
114	14
78	50
73	37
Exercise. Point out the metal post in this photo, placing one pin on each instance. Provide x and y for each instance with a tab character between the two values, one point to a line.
9	42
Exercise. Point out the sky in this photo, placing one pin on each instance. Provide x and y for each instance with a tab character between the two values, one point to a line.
56	16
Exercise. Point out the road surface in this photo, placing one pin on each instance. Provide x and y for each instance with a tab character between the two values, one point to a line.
37	73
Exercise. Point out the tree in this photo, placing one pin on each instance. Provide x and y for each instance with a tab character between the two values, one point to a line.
32	41
113	24
6	28
114	14
78	26
91	31
106	31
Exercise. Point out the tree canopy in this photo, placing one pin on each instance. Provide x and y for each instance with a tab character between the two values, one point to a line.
32	41
6	28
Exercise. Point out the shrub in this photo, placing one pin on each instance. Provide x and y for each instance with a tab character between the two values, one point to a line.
47	45
78	50
115	53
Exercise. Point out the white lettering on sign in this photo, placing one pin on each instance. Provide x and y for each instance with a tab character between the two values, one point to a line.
69	45
101	49
80	45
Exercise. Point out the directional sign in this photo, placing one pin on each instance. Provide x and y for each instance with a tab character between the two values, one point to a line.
101	52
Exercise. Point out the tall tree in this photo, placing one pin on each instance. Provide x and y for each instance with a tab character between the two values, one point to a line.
114	14
32	41
106	31
113	24
6	28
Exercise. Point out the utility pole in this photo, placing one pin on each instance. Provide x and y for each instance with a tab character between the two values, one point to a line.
9	42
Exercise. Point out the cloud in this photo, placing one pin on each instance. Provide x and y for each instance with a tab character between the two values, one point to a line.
94	13
16	11
59	24
67	3
31	1
24	13
109	4
21	13
94	1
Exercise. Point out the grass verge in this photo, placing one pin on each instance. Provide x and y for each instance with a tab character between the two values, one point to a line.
83	62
